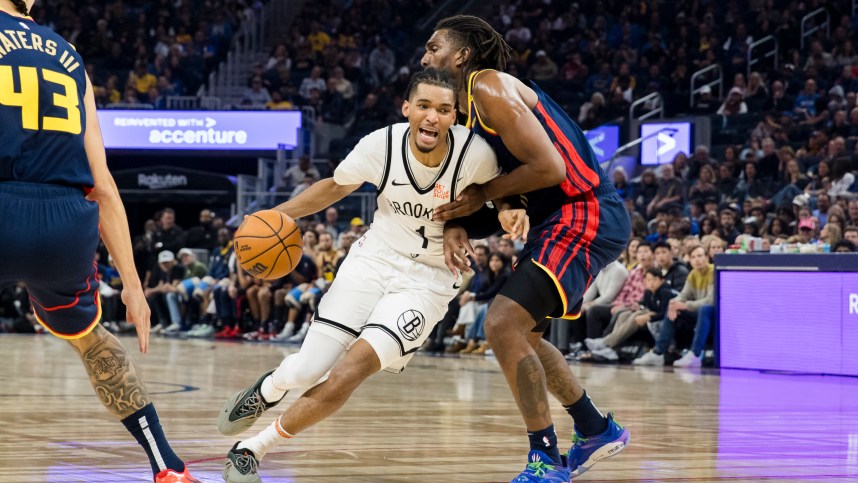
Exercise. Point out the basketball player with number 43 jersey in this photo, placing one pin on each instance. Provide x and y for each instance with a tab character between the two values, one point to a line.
393	287
55	194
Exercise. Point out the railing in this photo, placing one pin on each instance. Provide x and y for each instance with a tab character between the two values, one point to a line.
129	105
762	43
814	16
702	75
657	103
193	103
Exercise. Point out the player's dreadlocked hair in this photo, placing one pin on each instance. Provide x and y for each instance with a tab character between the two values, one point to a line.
488	48
432	77
20	6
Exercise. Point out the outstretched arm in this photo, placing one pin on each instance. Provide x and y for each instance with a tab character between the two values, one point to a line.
316	198
113	223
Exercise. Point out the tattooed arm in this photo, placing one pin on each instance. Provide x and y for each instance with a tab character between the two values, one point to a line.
112	372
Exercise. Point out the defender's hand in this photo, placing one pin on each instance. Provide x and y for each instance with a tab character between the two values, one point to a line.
515	223
138	313
469	201
457	247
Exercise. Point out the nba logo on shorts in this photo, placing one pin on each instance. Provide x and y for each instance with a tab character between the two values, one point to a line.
411	323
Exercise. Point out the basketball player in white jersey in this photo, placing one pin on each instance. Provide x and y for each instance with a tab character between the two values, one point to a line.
393	287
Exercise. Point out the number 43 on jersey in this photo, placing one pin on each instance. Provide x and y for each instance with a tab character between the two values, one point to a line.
28	98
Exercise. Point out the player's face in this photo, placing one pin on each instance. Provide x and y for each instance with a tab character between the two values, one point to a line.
430	112
442	53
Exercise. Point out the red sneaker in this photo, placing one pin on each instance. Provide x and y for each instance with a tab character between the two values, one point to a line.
235	333
172	476
224	333
263	335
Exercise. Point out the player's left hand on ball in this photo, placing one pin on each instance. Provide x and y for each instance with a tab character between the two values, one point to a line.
515	223
138	313
457	248
469	201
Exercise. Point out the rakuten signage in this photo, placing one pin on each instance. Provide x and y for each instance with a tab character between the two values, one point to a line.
200	130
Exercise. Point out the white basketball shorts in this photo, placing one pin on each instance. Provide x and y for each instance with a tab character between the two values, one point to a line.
390	300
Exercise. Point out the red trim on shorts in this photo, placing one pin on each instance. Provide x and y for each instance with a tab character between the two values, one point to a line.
76	296
77	335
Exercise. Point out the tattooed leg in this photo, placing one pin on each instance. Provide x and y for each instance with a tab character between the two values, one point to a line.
561	381
507	328
112	372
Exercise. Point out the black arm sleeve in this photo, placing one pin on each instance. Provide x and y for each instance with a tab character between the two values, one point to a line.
482	224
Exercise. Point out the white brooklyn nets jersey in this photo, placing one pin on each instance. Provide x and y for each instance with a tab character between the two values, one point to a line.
409	192
394	287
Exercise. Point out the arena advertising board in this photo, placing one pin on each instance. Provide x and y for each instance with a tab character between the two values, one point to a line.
765	316
664	141
604	140
200	130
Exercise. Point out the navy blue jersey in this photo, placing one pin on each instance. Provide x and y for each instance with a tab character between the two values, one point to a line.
583	173
42	85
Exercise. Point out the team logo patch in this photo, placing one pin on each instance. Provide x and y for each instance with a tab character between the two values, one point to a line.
411	324
440	191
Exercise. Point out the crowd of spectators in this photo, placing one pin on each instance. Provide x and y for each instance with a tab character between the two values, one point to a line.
598	57
142	52
348	66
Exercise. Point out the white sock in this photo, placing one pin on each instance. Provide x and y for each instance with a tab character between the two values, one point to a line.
269	392
267	439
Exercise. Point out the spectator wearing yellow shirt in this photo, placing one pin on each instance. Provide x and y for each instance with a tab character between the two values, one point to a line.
141	80
278	103
318	38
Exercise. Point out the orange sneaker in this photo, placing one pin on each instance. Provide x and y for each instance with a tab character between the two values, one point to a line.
173	476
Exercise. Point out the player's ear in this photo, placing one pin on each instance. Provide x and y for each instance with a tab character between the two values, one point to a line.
462	56
406	108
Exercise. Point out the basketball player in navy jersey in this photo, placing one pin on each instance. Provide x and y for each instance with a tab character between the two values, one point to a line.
579	225
55	194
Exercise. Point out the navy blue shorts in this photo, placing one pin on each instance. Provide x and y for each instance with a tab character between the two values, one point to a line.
576	242
48	238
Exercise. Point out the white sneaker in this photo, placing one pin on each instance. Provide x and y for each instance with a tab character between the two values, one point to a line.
299	337
251	335
595	344
287	332
649	359
172	328
158	329
688	360
607	353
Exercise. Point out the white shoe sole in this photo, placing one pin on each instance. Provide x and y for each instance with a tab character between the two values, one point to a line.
604	452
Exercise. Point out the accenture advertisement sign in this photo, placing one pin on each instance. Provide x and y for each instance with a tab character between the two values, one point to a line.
200	130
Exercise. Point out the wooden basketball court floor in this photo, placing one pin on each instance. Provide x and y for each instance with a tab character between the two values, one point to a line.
445	419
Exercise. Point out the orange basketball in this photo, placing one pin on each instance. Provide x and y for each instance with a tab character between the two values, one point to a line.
268	244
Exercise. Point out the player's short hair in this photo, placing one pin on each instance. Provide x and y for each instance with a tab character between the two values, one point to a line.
20	6
488	48
432	77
